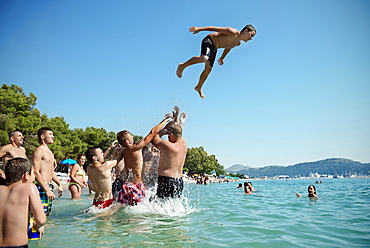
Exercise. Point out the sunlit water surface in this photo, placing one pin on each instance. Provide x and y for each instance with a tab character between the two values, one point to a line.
219	215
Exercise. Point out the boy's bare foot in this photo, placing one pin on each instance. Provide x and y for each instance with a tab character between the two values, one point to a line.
179	70
199	90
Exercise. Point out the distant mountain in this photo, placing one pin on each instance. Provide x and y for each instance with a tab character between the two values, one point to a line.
237	167
331	166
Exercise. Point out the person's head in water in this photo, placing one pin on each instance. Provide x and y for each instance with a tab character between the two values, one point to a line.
311	190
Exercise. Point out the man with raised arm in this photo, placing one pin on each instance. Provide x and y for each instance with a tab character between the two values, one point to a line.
172	159
133	190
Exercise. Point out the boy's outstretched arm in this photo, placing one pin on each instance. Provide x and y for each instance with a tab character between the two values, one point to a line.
222	30
224	53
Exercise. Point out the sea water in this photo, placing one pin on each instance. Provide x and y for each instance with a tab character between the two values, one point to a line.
221	215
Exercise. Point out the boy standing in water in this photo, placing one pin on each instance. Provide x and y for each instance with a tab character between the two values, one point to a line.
133	190
224	37
17	199
44	164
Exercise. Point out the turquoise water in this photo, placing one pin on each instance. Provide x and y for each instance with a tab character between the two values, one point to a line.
220	215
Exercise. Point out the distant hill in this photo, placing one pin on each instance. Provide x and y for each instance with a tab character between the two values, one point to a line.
237	167
331	166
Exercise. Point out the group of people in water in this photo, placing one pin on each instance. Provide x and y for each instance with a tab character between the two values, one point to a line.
248	189
19	198
27	185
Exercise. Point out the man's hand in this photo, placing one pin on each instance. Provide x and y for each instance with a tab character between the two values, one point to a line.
220	61
175	113
194	30
60	190
50	194
41	230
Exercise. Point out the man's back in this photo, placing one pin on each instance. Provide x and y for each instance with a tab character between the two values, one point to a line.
14	212
172	158
133	162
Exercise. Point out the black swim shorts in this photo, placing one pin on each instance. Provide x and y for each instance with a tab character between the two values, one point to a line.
169	187
116	186
208	49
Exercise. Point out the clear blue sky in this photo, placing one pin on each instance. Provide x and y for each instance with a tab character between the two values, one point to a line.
299	91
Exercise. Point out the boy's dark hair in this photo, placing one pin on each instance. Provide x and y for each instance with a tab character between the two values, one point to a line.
90	153
42	131
11	134
250	28
15	168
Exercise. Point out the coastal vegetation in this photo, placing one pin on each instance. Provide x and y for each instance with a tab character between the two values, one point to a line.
18	112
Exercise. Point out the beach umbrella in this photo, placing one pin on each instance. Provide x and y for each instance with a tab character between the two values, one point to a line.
69	161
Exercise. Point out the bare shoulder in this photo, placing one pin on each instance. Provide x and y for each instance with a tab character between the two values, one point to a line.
5	148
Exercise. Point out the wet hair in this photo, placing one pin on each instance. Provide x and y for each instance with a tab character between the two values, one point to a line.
250	28
122	136
314	188
176	130
90	153
42	131
15	168
13	133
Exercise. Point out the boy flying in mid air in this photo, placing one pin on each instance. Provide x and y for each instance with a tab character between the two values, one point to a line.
224	37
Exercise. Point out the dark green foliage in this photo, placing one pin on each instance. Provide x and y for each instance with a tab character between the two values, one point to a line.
198	161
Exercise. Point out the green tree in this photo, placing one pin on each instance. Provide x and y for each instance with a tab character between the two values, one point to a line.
197	160
17	112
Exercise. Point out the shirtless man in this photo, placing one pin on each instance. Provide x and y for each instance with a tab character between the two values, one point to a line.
12	150
17	200
173	154
99	172
44	164
225	37
133	190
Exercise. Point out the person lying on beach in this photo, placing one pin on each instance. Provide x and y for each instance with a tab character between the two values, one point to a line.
224	37
17	199
133	190
99	172
311	191
77	175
